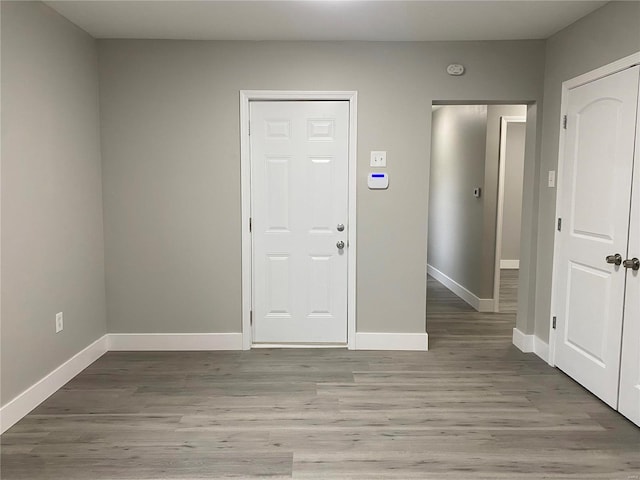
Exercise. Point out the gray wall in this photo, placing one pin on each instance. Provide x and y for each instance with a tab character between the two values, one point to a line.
602	37
513	177
52	238
456	220
171	166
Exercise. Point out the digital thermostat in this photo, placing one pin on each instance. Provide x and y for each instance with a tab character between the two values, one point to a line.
378	181
455	69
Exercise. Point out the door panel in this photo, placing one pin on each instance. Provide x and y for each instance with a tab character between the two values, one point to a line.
278	295
596	186
589	342
320	183
629	402
278	194
299	181
319	291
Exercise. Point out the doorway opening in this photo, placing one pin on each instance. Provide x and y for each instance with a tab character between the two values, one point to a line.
509	211
477	175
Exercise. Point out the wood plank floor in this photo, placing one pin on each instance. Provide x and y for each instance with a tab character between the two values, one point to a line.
473	407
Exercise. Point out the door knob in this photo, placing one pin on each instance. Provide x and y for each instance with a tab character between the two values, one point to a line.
614	259
340	245
633	264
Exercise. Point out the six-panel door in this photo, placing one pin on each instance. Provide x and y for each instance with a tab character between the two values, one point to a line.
299	190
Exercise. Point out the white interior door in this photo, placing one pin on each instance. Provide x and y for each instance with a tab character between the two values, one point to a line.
629	399
597	168
299	191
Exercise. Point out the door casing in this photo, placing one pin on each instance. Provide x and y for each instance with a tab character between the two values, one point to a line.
246	96
588	77
502	168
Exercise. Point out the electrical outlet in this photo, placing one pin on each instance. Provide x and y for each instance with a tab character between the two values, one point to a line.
378	159
59	322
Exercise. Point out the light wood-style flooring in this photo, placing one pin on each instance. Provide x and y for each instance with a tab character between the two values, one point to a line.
473	407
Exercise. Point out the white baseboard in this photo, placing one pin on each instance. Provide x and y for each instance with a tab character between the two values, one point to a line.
523	341
392	341
299	345
480	304
531	344
21	405
541	348
174	341
509	264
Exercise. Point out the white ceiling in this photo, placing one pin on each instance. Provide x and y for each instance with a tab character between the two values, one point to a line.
324	19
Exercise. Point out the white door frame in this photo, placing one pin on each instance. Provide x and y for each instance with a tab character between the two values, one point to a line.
502	162
246	96
610	69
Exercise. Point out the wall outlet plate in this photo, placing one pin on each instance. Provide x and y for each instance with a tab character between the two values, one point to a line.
378	159
59	322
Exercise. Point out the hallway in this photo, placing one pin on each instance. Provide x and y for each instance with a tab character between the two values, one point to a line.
451	320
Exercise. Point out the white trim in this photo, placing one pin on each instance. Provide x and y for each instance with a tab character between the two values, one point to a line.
174	341
509	264
523	341
480	304
609	69
351	269
33	396
541	348
531	344
245	186
299	345
392	341
502	160
598	73
245	175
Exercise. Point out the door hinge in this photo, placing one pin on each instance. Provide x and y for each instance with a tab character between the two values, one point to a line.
249	129
251	318
559	224
553	324
564	122
249	223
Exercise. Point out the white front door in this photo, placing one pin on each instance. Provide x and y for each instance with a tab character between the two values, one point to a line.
299	195
594	206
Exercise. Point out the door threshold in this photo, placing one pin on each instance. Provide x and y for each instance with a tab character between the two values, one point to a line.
299	345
